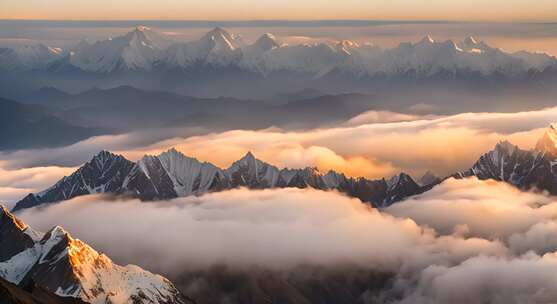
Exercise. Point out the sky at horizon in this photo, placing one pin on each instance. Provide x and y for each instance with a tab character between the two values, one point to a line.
471	10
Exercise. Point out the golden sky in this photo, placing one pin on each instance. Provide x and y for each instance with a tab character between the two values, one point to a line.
469	10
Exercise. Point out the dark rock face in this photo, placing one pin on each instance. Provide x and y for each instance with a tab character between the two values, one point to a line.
400	187
13	238
172	174
55	271
13	294
105	173
150	180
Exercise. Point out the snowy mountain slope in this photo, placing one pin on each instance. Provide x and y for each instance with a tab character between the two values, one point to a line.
29	57
172	174
253	173
137	50
253	56
217	47
106	172
189	176
143	50
69	268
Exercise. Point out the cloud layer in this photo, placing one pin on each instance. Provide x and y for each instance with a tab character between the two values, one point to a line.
466	241
373	144
16	183
439	143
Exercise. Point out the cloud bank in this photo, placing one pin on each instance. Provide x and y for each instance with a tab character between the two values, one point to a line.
373	144
17	183
466	241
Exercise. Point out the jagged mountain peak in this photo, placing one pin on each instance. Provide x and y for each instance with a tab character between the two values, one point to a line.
172	174
67	267
105	154
172	152
548	142
217	31
104	158
248	159
172	156
505	146
249	156
57	232
15	235
427	40
471	44
470	40
429	178
266	42
9	218
142	36
137	49
221	38
398	178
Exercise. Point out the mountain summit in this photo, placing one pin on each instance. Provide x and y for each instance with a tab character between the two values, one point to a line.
524	169
548	142
136	50
67	268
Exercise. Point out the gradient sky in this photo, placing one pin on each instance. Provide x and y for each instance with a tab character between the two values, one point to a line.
467	10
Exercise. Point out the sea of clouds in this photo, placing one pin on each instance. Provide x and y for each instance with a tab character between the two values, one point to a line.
466	241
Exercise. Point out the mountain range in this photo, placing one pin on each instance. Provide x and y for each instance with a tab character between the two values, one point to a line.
145	49
54	267
50	118
223	64
36	126
172	174
126	108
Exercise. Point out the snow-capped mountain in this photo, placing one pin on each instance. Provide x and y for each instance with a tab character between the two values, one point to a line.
137	50
217	47
143	50
525	169
69	268
172	174
106	172
29	57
